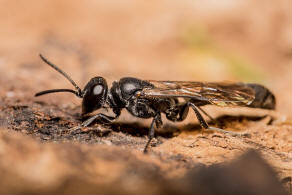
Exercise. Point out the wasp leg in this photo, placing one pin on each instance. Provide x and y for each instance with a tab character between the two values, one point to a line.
205	113
156	120
179	113
204	124
86	123
108	119
202	121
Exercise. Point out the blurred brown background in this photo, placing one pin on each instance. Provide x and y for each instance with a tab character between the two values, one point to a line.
199	40
237	40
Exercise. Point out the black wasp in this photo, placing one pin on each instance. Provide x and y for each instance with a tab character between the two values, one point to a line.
148	98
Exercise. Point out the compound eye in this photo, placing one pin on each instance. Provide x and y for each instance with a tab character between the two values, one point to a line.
97	90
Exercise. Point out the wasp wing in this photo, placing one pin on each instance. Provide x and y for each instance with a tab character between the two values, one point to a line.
217	93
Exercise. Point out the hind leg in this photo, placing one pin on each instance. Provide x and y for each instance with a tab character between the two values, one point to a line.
181	111
205	113
177	114
204	124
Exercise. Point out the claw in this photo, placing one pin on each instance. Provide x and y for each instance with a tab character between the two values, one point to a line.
75	130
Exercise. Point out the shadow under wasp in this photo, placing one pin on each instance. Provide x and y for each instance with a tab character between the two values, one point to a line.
149	98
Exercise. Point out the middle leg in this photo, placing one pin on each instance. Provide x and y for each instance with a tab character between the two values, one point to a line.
156	120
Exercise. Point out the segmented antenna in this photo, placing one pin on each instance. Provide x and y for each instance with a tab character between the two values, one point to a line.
55	91
77	93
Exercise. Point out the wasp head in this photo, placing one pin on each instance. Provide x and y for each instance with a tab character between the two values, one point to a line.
94	95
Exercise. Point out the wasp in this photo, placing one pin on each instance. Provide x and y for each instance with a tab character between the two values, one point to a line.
150	98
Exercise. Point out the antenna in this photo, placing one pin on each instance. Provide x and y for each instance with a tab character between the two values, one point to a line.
78	93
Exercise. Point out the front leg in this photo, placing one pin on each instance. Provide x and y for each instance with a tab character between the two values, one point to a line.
86	123
108	119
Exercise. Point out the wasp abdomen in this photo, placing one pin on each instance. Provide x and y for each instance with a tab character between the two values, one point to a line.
264	98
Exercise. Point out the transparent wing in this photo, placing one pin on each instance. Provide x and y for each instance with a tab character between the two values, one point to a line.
220	94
